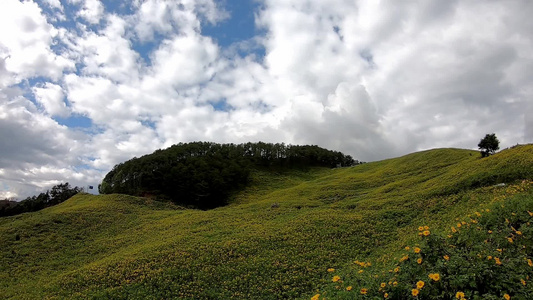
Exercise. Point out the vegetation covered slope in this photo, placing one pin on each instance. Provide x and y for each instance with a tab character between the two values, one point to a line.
203	174
275	240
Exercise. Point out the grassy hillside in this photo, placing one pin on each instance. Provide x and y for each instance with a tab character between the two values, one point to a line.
276	240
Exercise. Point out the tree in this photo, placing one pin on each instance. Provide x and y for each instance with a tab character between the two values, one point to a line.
489	145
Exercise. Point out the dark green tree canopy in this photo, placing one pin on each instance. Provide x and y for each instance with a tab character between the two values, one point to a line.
489	145
203	174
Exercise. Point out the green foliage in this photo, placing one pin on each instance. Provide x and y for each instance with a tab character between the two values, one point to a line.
58	194
275	240
489	145
485	255
204	175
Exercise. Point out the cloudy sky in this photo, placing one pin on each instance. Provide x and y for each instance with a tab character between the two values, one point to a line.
86	84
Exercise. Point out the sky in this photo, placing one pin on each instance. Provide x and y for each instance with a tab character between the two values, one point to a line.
87	84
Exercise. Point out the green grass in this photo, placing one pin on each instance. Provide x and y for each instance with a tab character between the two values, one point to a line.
117	246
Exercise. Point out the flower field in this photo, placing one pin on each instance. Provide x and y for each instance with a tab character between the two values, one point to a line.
429	225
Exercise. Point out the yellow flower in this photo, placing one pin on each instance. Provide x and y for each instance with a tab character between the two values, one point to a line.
406	257
523	281
434	277
397	269
426	232
426	227
446	257
459	225
454	230
331	270
407	248
349	288
460	295
386	295
498	262
510	240
499	250
420	284
420	228
417	250
360	271
415	292
506	297
490	231
530	213
364	291
395	283
336	278
530	263
315	297
489	257
419	261
383	284
518	232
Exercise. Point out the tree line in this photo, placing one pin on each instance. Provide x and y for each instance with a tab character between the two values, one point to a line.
204	174
59	193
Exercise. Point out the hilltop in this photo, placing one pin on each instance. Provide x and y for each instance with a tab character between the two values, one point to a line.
275	239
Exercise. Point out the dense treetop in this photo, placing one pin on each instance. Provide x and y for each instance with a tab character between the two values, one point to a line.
204	174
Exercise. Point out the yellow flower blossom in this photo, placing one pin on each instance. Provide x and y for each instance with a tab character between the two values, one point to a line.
397	269
454	230
490	231
315	297
489	257
419	261
426	227
446	257
417	250
497	260
395	283
435	276
331	270
383	284
386	295
523	282
420	284
420	228
407	248
349	288
510	240
415	292
530	263
364	291
336	278
426	232
506	297
460	295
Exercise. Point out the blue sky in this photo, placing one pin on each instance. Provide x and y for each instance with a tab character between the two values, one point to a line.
87	84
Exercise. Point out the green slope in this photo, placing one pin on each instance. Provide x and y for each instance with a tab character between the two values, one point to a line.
274	241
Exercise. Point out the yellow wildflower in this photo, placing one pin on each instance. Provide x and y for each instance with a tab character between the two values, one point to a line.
407	248
349	288
510	240
415	292
331	270
519	232
506	297
386	295
460	295
364	291
406	257
395	283
434	277
446	257
417	250
523	281
489	257
498	262
426	232
336	278
360	271
397	269
420	228
419	261
315	297
426	227
454	230
530	263
490	231
420	284
530	213
459	225
383	284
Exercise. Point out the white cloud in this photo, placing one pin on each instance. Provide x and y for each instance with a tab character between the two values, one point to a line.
51	96
26	50
373	79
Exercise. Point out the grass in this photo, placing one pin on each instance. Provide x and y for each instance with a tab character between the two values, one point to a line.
276	239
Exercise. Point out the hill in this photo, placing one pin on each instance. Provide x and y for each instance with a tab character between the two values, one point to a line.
275	240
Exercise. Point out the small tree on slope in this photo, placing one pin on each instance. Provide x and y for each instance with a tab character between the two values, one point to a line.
488	145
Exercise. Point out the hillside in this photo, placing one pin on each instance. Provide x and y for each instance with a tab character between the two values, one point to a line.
275	240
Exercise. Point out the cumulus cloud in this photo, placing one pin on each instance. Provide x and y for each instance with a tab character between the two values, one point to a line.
374	79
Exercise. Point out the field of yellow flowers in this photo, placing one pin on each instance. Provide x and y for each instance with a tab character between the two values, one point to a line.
419	226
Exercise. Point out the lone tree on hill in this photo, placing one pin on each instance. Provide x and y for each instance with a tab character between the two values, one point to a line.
489	145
